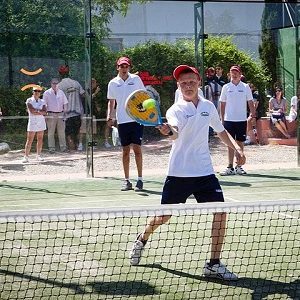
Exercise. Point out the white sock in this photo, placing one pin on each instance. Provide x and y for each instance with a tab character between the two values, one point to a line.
140	178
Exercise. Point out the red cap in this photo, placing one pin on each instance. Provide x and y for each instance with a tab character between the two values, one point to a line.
64	69
182	68
124	61
236	68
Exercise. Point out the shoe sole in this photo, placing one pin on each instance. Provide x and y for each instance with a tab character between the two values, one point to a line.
124	190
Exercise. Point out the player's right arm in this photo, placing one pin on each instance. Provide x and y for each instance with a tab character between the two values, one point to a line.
166	129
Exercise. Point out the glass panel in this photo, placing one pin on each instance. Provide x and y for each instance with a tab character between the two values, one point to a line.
36	39
265	38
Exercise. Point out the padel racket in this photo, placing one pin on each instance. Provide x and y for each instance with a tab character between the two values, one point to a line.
143	109
149	116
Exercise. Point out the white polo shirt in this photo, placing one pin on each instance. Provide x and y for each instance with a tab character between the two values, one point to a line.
55	102
190	156
119	90
236	97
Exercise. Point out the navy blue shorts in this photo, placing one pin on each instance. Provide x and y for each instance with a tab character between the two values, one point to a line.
204	188
237	130
130	133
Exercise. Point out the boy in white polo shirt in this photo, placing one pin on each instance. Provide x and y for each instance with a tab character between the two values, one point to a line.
130	132
190	168
234	98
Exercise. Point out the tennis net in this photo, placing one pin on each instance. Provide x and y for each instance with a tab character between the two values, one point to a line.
84	254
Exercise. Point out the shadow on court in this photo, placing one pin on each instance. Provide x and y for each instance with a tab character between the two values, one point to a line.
31	189
232	183
270	176
117	288
261	288
120	179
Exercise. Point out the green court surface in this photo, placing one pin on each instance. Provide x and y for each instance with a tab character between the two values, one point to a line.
105	192
85	256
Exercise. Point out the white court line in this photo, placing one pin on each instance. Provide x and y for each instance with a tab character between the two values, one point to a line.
80	202
262	192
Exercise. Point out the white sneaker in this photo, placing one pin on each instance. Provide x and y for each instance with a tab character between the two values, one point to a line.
25	159
136	252
80	147
228	171
39	158
107	144
247	141
240	171
218	271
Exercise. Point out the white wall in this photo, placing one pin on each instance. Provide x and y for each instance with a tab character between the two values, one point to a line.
170	20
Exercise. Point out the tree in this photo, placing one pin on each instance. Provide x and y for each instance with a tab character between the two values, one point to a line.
50	29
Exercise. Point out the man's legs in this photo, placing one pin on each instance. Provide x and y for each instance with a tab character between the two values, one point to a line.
126	160
51	126
137	149
61	133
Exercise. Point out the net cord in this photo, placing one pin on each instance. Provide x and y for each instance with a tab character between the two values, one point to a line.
175	209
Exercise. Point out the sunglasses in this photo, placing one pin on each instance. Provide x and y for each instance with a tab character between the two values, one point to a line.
123	66
37	91
54	82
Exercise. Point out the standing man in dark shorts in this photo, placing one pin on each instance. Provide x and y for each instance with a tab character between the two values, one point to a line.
130	132
234	98
190	168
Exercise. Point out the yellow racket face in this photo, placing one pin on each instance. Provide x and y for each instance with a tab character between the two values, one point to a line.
134	108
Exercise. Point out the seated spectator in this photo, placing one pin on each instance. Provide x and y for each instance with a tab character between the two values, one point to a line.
293	108
277	109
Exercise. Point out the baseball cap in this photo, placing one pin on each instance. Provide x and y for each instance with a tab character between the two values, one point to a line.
124	61
64	69
182	68
236	68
